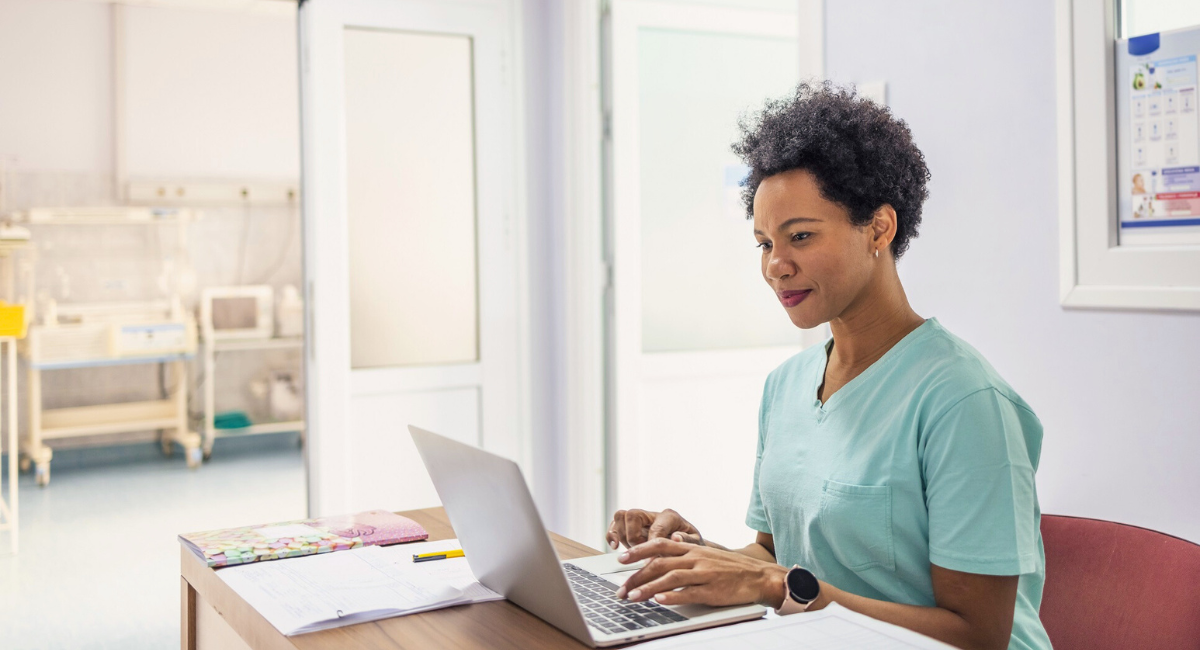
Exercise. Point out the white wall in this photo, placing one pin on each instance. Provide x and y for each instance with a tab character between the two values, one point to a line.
1116	391
210	94
55	73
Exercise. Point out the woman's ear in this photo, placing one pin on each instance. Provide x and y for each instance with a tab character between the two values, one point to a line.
883	227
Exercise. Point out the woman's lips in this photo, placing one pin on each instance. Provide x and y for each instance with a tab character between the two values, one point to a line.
793	298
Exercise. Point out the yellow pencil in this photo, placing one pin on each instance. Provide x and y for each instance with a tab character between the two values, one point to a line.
442	555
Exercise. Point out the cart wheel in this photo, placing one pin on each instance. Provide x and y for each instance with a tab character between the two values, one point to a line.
26	463
194	457
168	449
42	475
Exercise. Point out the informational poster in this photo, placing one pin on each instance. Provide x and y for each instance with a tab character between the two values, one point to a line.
1158	126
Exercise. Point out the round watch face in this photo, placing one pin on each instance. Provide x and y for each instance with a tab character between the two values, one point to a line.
803	585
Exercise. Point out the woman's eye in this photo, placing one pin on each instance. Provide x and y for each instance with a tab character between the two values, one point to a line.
801	236
765	245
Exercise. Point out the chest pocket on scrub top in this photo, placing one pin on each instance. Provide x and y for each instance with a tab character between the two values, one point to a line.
857	523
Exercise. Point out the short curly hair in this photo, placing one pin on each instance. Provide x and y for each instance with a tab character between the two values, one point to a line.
861	156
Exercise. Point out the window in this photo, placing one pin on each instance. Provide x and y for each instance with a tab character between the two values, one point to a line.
1104	262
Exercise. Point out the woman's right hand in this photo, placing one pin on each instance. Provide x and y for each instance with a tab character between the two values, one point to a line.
633	527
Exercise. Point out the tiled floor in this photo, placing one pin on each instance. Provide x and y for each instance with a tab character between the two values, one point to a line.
99	561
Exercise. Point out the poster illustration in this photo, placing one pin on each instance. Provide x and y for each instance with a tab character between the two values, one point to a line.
1159	129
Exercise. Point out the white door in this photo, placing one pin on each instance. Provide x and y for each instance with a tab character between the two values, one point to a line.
696	330
410	246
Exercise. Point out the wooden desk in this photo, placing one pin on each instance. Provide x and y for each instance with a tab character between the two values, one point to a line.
213	616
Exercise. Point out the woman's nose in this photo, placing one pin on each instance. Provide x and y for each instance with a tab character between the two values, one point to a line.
780	268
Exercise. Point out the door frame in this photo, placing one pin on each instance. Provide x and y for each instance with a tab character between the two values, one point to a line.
503	358
586	276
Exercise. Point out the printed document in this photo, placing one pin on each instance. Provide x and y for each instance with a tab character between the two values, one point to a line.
832	628
318	592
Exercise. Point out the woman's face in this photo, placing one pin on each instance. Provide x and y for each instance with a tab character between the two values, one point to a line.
817	262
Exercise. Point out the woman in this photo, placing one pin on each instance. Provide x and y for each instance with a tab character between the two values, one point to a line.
895	470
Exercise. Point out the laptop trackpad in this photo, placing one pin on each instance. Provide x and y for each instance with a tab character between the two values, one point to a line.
607	566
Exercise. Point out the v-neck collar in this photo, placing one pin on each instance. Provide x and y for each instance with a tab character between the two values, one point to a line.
864	376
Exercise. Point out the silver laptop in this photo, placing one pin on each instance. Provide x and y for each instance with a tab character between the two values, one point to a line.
510	552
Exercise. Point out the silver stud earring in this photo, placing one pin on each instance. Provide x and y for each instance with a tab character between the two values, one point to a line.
876	252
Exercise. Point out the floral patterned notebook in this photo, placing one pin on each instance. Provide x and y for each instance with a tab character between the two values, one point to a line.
230	546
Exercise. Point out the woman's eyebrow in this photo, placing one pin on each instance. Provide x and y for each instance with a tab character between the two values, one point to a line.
789	222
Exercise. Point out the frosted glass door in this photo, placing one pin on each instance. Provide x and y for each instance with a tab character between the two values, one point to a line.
696	329
410	181
701	284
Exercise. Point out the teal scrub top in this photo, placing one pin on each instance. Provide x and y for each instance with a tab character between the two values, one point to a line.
928	456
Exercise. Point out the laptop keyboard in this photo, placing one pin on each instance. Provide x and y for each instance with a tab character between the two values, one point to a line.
605	612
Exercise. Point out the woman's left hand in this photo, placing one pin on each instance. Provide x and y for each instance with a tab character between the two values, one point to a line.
701	574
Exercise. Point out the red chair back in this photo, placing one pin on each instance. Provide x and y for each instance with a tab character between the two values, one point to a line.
1110	585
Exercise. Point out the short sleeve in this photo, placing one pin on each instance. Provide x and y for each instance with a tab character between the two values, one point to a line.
756	514
979	486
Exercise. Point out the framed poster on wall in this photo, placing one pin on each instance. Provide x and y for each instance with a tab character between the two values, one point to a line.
1129	163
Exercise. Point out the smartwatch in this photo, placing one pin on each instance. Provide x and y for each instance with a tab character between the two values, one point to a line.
801	588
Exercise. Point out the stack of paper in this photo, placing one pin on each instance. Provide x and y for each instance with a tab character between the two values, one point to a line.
319	592
832	628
